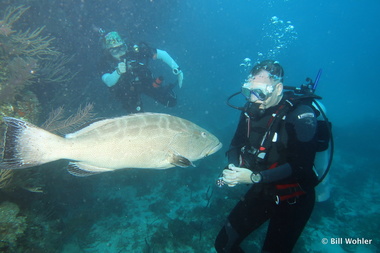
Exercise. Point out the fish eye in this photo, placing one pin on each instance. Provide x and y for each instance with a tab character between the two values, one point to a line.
203	134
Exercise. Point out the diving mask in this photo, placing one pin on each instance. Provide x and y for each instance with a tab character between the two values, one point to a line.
260	93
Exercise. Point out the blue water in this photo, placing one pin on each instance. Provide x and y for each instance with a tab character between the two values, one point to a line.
181	210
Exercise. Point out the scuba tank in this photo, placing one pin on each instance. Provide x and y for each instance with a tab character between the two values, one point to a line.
322	161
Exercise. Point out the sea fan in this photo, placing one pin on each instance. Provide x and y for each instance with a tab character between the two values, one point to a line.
55	122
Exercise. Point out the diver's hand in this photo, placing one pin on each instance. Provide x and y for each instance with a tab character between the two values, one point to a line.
122	68
178	72
236	175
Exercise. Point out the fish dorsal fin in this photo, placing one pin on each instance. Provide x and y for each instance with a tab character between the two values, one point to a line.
180	161
89	128
100	123
84	170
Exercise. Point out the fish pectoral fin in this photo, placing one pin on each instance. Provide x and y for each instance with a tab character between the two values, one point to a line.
84	170
180	161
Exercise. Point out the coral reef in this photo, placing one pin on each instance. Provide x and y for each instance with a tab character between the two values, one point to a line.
25	106
12	225
26	58
5	178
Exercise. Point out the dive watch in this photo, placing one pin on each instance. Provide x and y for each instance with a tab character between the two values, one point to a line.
256	177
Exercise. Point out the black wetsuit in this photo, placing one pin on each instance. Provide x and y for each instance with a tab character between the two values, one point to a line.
138	79
287	177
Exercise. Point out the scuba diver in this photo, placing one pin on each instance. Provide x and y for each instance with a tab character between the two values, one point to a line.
128	75
273	149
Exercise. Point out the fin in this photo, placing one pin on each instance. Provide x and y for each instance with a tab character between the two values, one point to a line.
20	145
10	155
84	170
89	128
102	122
180	161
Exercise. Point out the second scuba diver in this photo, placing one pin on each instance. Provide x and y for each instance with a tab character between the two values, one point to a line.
129	76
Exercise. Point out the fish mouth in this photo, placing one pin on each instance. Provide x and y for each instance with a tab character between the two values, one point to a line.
213	150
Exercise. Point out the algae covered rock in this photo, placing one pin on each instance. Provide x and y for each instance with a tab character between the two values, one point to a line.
11	225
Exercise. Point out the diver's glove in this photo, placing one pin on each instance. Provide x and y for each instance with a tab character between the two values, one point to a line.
237	175
178	72
121	68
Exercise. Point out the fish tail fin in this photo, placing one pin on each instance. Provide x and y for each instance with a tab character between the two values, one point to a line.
26	145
